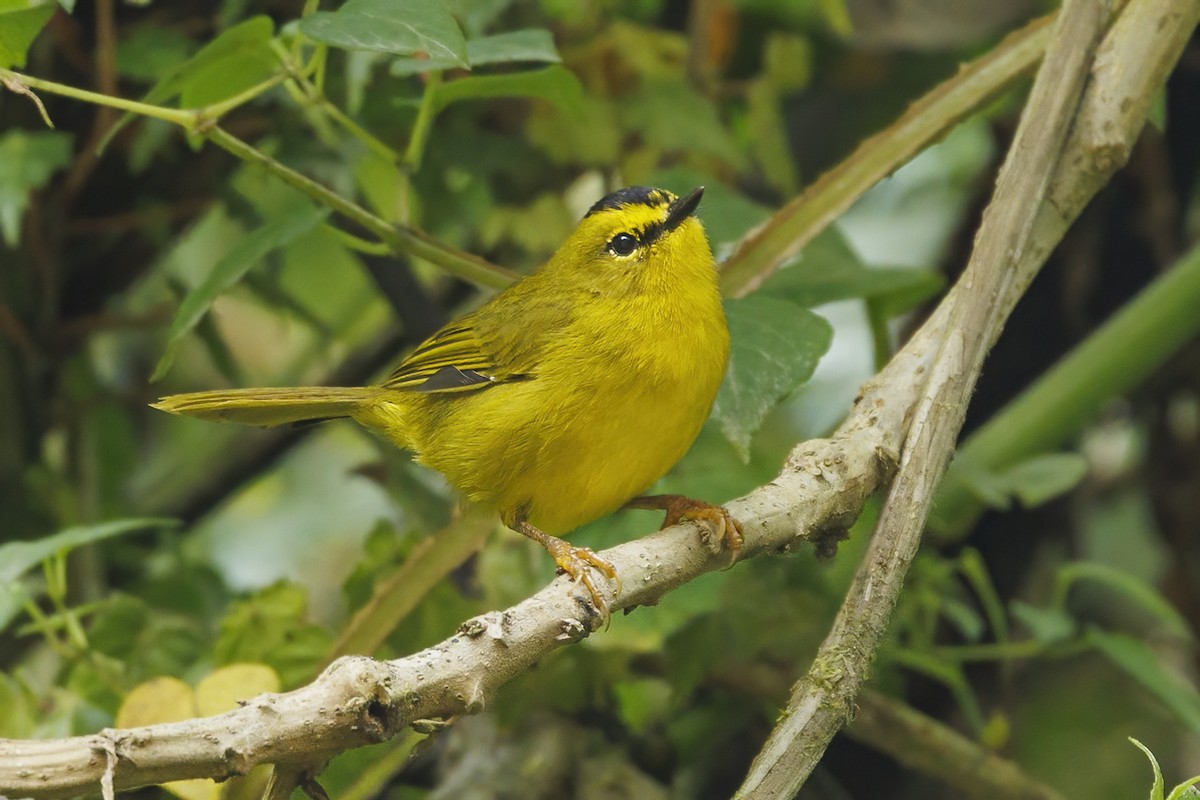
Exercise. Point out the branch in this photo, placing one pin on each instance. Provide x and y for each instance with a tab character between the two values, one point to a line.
1017	234
922	743
203	121
358	701
781	238
819	493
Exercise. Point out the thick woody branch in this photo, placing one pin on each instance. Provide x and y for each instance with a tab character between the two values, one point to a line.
820	491
357	700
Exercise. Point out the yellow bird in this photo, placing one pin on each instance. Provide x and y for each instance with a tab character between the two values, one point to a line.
564	396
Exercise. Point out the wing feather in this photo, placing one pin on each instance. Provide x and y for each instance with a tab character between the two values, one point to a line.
452	360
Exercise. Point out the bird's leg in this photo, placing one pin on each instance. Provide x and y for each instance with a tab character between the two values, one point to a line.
578	562
680	509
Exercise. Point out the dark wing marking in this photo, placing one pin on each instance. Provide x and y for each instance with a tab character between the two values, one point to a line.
448	379
452	360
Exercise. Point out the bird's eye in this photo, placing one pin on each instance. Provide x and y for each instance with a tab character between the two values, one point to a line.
622	244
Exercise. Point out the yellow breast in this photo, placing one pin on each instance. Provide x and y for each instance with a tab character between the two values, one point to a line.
614	398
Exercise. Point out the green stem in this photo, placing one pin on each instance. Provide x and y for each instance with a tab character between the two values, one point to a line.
424	124
399	238
187	119
355	243
1118	356
881	338
767	248
991	651
218	110
372	142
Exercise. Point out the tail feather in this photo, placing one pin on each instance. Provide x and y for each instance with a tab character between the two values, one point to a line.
269	407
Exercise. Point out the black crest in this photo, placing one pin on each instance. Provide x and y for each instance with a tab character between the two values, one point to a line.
631	196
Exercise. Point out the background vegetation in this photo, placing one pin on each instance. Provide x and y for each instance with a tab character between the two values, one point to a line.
143	555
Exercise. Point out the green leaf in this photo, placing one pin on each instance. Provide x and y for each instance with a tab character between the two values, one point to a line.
476	15
1037	480
1048	626
642	702
401	27
1034	481
534	45
829	270
837	15
554	84
229	270
21	712
27	160
768	136
233	62
16	558
673	117
963	616
1128	585
238	59
947	673
775	347
1185	790
271	627
1137	659
1156	789
20	23
148	53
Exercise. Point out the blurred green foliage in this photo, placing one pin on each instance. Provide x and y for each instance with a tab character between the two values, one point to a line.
492	126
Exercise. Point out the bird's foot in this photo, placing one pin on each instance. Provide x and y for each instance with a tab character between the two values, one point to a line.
578	562
716	525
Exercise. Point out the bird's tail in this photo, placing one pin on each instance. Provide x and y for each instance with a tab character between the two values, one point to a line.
269	407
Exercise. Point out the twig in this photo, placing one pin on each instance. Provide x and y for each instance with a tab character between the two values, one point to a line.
922	743
105	66
203	121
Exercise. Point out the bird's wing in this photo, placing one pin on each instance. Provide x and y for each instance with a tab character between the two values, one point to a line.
455	359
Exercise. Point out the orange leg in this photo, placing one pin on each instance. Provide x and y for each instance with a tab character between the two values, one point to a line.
684	509
578	562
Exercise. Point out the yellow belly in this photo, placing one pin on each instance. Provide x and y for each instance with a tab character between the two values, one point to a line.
563	450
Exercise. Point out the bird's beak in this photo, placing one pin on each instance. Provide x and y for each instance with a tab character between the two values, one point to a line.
682	208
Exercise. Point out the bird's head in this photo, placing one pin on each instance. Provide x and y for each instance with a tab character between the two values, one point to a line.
641	235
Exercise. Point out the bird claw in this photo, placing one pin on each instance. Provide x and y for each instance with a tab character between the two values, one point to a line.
578	562
717	526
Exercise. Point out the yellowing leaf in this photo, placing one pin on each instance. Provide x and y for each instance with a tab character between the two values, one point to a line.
157	700
165	700
221	690
195	789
